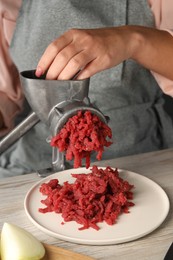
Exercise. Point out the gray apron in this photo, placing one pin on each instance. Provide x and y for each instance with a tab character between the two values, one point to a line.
127	93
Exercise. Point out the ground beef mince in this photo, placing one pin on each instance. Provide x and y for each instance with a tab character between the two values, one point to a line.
81	135
101	195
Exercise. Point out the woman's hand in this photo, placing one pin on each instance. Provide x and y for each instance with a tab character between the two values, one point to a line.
87	51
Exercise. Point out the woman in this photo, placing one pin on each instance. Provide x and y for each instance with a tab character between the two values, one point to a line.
126	52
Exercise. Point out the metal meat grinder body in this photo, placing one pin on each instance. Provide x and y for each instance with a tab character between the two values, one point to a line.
53	102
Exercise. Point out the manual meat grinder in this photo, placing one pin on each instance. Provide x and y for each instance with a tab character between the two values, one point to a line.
53	102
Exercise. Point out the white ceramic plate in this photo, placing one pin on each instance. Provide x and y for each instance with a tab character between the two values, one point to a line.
150	210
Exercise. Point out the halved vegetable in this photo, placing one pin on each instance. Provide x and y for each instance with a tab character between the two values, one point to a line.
19	244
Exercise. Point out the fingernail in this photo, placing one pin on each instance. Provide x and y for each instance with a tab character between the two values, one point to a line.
38	72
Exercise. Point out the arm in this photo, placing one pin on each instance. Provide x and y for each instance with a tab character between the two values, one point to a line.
10	91
162	11
154	51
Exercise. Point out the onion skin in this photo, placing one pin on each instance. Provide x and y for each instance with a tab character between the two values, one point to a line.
19	244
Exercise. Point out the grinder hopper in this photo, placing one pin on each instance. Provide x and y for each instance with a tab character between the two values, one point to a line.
53	102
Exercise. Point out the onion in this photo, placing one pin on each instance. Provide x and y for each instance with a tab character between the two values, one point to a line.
18	244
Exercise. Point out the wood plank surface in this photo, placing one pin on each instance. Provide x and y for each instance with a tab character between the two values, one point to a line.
57	253
157	166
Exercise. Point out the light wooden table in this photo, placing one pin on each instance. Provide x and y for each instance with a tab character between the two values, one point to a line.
157	166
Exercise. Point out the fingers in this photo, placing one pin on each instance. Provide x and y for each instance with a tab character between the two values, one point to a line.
67	55
92	68
87	51
76	63
63	63
50	54
60	62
